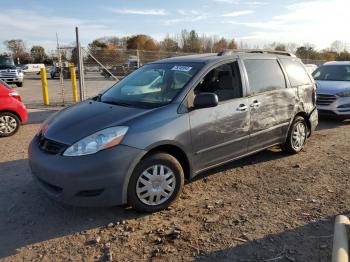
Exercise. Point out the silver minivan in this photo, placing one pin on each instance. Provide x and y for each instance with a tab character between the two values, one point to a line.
139	140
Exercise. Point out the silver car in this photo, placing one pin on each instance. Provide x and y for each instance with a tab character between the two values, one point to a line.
333	89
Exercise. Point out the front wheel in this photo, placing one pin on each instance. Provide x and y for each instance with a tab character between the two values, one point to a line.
9	124
19	84
296	138
155	183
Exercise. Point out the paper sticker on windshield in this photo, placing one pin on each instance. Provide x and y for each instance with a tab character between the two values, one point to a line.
182	68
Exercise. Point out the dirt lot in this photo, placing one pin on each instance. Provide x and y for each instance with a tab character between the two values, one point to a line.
268	207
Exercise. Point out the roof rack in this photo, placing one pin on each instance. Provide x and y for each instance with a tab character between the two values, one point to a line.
258	51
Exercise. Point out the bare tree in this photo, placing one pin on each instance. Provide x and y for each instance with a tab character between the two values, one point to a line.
338	46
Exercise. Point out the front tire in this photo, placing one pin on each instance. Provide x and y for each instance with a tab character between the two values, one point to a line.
297	135
155	183
9	124
19	84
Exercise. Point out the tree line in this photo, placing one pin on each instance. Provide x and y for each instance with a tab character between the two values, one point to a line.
184	42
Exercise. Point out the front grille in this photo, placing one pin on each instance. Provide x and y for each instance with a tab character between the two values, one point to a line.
325	100
8	74
326	113
49	146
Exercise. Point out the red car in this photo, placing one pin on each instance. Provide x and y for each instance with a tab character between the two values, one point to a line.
13	112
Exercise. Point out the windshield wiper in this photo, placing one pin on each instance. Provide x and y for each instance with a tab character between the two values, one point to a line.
116	103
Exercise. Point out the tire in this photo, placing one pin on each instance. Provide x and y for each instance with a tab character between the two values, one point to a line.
19	84
8	130
293	145
147	200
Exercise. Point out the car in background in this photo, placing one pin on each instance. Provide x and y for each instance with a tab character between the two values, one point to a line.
333	89
32	68
170	120
13	112
55	71
8	71
310	68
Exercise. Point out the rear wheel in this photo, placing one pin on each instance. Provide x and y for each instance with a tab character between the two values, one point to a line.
9	124
296	136
155	183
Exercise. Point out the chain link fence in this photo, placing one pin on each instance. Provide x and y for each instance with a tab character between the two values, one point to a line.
314	62
101	68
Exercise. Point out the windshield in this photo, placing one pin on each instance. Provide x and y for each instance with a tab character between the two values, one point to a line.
6	61
332	73
152	85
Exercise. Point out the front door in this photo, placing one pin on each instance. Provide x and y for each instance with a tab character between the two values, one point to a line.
220	133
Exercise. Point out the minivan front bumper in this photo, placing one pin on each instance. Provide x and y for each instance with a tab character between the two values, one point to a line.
99	179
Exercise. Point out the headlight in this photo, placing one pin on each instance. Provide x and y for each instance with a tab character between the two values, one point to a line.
344	93
98	141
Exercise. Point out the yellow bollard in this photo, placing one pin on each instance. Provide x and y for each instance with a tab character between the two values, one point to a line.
74	83
44	86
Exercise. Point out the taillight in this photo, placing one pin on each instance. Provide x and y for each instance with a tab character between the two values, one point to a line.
15	95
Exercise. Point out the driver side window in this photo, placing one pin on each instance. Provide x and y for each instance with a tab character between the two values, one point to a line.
224	81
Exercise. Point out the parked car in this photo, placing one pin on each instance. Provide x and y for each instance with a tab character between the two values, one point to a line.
32	68
13	112
138	148
117	70
55	71
8	71
333	89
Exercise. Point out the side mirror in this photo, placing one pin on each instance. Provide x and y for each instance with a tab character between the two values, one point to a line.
205	100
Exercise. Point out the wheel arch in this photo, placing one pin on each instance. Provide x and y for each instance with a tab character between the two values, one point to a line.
306	117
12	112
177	152
167	147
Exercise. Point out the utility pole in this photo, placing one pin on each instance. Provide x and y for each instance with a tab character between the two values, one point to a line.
80	66
61	70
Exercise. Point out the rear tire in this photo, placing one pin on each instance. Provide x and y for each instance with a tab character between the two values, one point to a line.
156	183
297	135
9	124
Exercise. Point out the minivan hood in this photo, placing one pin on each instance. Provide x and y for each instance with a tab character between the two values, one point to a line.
74	123
332	87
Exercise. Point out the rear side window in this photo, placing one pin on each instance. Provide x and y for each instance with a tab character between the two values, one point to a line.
264	75
296	72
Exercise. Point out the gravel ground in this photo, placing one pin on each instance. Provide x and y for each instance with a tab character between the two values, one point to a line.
267	207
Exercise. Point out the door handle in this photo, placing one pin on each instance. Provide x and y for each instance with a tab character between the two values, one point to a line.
242	107
255	104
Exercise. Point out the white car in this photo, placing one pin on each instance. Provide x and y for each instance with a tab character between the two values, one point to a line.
32	68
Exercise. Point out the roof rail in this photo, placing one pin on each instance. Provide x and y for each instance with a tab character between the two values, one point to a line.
258	51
